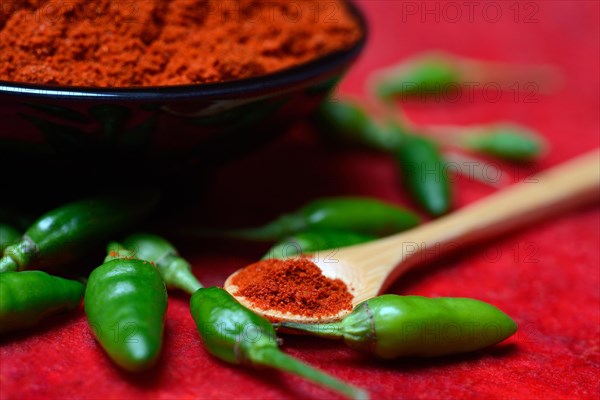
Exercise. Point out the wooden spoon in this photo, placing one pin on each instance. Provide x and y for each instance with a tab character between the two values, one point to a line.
369	268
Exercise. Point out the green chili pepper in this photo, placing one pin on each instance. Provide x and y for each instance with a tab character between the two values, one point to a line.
8	236
125	303
176	272
62	234
236	335
391	326
315	241
357	214
347	120
420	158
425	176
510	142
429	74
27	297
434	73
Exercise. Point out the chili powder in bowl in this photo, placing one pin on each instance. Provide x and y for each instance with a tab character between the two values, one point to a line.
158	84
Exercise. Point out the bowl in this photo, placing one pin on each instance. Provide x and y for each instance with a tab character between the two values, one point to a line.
63	136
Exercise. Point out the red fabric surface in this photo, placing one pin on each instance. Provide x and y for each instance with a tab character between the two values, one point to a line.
545	276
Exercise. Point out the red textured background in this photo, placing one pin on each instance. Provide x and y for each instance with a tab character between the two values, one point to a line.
546	276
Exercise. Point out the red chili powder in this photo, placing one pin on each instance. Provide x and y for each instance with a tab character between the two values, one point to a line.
295	285
118	43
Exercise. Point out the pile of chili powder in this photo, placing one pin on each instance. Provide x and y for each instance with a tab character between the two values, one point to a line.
108	43
295	286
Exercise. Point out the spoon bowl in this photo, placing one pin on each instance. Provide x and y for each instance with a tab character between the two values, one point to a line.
351	275
368	269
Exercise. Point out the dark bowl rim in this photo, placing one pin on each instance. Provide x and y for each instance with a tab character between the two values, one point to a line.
286	78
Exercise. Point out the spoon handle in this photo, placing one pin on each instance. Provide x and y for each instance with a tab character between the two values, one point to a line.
568	185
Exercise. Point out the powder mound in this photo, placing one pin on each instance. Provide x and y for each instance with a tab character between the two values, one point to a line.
295	285
108	43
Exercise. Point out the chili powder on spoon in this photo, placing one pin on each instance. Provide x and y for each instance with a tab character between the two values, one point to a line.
296	286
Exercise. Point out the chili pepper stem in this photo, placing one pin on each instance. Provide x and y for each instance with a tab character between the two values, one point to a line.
279	360
179	275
